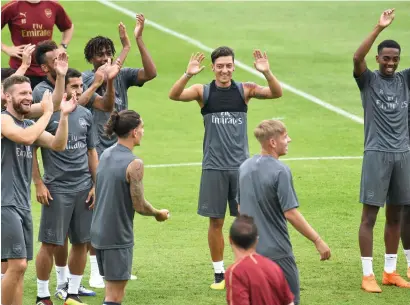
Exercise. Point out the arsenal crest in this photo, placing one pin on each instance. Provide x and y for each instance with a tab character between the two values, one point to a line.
48	12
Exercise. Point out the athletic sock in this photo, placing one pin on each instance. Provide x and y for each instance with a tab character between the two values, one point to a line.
42	289
111	303
390	263
219	267
41	299
61	274
67	273
367	264
94	265
407	253
74	283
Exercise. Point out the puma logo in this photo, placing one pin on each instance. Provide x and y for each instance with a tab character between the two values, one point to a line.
23	14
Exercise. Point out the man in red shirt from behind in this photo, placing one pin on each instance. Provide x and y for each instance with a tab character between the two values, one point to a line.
31	22
253	279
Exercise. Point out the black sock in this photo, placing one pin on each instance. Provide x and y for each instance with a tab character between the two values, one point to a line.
73	296
111	303
40	299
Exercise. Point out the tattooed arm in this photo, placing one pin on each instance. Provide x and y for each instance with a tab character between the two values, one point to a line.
274	89
253	90
135	174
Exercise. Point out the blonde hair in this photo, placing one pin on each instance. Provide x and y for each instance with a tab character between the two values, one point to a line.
268	129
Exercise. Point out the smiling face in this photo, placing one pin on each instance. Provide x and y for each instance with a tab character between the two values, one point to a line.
388	60
280	143
101	57
19	97
223	68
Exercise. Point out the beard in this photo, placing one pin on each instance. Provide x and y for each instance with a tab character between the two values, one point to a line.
20	108
53	74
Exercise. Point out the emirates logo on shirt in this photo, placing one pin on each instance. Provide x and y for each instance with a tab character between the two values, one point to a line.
48	12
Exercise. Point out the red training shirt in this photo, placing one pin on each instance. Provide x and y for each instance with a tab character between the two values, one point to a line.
256	280
32	23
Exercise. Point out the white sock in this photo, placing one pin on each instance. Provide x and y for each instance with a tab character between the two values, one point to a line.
42	289
367	264
407	253
390	263
94	265
61	273
67	273
219	267
74	283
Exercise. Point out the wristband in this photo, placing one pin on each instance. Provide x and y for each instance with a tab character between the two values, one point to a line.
187	75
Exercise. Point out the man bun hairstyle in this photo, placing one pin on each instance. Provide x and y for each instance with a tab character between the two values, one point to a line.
121	123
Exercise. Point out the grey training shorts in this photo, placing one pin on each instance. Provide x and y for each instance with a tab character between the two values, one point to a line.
290	270
66	213
115	264
385	178
16	233
218	188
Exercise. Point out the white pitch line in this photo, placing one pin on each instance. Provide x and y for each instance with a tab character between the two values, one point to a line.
245	67
282	159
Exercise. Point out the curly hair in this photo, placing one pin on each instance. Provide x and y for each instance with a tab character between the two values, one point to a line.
95	44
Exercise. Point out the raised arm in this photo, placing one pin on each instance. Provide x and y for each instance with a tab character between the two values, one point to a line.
149	71
193	93
359	61
91	90
107	102
252	90
59	141
126	44
27	136
135	175
61	67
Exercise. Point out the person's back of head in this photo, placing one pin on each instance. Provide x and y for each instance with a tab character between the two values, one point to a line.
127	125
243	233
